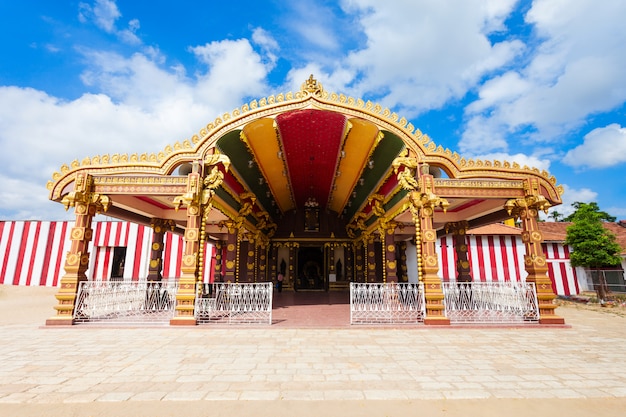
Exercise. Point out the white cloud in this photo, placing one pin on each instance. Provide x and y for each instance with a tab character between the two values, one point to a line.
420	55
483	135
104	14
575	71
571	196
235	71
268	44
19	196
603	147
521	159
313	24
141	107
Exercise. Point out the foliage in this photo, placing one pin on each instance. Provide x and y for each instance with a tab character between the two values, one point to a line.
588	207
593	246
556	216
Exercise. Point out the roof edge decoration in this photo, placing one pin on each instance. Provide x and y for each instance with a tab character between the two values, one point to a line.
311	95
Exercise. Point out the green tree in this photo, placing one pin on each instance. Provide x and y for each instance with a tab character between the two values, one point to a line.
593	206
593	246
555	215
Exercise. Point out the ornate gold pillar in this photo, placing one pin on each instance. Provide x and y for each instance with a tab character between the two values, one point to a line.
422	202
526	209
86	204
330	247
459	233
186	294
219	247
198	202
232	249
250	259
370	259
273	262
349	262
360	261
261	248
403	270
387	230
292	260
159	227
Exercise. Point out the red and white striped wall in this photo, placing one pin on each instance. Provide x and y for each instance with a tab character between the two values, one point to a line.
563	275
496	258
33	252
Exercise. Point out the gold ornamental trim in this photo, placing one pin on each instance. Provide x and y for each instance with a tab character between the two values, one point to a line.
311	94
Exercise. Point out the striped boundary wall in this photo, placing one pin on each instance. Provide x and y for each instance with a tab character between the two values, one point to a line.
33	252
501	258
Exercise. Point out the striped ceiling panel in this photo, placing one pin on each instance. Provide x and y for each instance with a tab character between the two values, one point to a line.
358	146
263	142
311	141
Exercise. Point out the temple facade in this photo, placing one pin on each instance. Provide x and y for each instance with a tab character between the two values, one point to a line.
326	189
34	252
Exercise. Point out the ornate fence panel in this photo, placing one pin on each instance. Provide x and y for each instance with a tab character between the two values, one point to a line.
236	304
114	302
386	303
491	302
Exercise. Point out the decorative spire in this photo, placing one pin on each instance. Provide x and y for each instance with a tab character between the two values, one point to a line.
312	87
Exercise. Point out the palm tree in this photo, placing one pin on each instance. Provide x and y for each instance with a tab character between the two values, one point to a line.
555	215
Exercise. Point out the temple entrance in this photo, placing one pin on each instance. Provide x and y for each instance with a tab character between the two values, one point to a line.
310	273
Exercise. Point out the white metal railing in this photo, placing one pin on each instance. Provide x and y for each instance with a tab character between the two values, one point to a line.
491	302
113	302
230	303
386	303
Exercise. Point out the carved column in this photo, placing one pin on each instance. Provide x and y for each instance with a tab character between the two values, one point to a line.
433	291
219	248
159	227
371	259
387	231
360	264
232	245
526	209
350	262
262	246
198	202
331	259
250	259
422	202
292	260
86	204
273	262
459	234
403	271
186	294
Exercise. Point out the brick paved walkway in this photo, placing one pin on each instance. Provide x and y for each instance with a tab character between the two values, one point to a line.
80	367
311	309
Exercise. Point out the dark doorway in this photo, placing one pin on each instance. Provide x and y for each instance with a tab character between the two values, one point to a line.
311	275
117	267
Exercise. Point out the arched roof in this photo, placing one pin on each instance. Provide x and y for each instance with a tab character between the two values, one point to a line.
305	148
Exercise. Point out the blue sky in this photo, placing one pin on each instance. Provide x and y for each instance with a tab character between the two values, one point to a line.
541	83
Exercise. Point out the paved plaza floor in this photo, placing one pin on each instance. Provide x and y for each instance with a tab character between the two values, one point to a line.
307	369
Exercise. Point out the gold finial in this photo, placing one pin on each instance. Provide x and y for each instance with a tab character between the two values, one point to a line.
312	86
